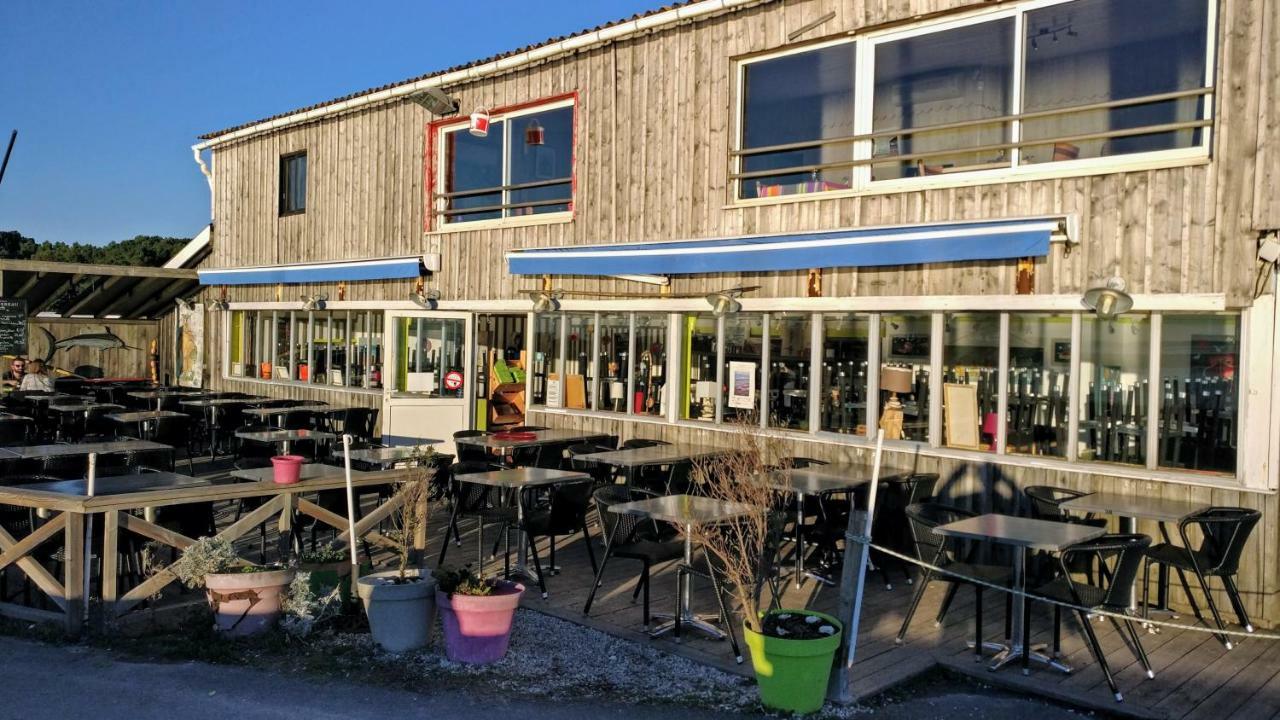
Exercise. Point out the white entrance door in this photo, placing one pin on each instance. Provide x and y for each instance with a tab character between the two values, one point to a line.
428	392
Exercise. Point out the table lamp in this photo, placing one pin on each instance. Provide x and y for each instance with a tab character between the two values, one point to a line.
895	380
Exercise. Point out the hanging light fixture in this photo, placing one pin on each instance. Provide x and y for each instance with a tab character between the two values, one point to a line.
725	302
1108	301
314	302
426	299
479	123
545	301
534	133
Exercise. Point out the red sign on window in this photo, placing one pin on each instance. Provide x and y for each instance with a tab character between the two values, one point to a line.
452	380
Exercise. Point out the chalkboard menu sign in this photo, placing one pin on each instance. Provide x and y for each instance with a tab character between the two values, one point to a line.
13	327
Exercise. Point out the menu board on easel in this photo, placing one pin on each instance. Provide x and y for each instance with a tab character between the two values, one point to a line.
13	327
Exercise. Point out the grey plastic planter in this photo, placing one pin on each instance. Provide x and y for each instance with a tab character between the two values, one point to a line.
401	616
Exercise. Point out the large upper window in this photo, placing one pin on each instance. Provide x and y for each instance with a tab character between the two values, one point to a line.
1098	79
523	166
293	183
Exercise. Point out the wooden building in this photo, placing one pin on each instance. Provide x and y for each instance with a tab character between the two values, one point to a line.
933	185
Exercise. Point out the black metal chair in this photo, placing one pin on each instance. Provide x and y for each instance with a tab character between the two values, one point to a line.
176	432
1046	504
14	432
565	514
1123	554
939	551
359	422
600	473
1224	533
473	500
303	421
629	536
470	453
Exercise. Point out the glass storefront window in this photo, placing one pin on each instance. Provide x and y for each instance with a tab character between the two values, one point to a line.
844	374
1039	384
790	345
429	348
614	362
650	364
970	370
1114	364
337	348
743	355
546	356
905	341
579	379
1199	359
700	349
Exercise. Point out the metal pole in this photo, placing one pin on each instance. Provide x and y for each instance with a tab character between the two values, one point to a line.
351	506
864	543
88	532
13	136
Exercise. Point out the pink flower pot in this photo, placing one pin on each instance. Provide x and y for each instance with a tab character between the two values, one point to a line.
477	629
246	603
286	469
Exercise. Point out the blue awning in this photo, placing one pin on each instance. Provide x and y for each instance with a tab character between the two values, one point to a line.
337	271
851	247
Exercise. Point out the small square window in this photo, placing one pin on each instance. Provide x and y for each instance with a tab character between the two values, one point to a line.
293	183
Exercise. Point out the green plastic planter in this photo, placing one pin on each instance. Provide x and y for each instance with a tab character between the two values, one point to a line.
793	674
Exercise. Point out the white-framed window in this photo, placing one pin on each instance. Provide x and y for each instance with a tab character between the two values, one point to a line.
337	349
522	170
1041	86
1055	385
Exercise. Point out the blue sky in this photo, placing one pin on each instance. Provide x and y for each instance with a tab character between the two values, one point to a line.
108	96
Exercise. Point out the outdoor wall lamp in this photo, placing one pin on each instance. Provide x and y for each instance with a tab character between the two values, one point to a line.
314	302
426	299
1108	301
725	301
544	301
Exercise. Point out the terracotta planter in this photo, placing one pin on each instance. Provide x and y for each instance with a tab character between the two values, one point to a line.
477	628
401	616
246	603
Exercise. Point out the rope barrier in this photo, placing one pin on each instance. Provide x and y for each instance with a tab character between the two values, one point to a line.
864	540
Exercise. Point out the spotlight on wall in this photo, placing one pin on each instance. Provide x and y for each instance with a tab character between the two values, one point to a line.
185	303
1108	301
426	299
725	302
314	302
545	301
219	305
435	100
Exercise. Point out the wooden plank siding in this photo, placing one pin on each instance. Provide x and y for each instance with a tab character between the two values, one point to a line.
654	130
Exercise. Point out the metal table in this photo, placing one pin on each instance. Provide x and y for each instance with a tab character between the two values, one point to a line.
284	437
502	446
209	405
84	407
160	395
520	479
821	480
632	459
142	417
685	511
389	455
122	484
269	412
309	471
1131	508
1020	534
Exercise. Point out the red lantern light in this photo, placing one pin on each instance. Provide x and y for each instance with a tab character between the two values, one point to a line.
534	133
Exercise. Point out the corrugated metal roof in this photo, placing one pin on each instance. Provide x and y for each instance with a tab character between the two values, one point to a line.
474	63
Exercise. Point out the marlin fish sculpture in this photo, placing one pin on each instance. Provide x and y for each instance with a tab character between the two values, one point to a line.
102	341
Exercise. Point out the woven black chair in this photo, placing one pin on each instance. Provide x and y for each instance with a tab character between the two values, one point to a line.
629	536
470	453
176	432
636	443
65	467
565	514
1224	533
938	550
1046	504
1123	554
600	473
475	501
359	422
14	432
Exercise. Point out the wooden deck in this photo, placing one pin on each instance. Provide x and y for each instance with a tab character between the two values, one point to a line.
1195	676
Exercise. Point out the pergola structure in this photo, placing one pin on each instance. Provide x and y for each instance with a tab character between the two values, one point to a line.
54	289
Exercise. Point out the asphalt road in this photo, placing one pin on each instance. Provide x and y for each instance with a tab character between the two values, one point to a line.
39	681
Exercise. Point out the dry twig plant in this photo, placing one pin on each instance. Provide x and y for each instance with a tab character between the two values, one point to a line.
738	549
410	519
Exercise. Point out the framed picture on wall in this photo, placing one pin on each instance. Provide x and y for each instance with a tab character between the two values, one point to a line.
909	345
961	418
1062	352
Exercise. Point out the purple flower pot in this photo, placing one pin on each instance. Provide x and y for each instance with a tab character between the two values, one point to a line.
477	629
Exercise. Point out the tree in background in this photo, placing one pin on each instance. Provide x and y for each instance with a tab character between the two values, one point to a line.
141	251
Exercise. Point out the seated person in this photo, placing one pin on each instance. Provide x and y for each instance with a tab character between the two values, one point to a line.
36	379
13	376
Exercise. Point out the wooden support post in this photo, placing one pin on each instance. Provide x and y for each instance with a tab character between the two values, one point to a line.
73	571
289	503
110	564
420	527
